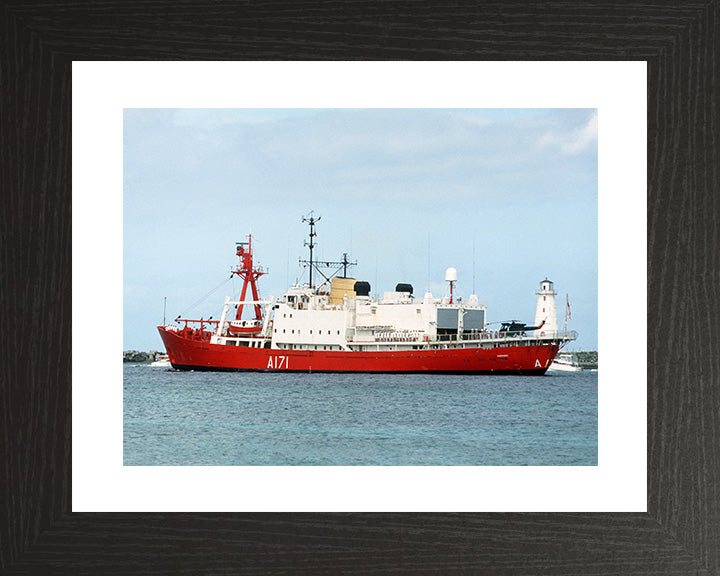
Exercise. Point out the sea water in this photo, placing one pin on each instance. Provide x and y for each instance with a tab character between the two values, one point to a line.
174	418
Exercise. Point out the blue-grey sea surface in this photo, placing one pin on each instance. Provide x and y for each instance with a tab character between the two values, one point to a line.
173	418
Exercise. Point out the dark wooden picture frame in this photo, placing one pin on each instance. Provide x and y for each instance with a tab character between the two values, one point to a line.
680	533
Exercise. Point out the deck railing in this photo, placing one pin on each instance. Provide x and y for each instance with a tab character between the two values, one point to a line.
505	335
469	336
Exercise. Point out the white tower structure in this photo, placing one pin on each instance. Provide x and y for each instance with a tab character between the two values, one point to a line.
545	310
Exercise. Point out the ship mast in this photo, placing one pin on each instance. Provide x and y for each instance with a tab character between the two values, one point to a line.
318	263
249	274
312	221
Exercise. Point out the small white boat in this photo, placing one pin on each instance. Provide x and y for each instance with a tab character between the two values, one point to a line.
565	362
162	361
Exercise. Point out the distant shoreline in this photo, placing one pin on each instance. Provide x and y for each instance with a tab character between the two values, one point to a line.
587	359
138	357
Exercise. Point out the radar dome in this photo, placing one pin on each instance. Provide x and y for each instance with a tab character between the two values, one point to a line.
451	275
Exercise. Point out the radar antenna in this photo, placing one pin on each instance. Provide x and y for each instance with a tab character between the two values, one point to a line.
312	221
316	264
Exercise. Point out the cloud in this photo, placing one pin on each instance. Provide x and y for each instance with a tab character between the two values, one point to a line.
583	137
575	141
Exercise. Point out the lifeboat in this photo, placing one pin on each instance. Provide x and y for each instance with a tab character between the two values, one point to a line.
245	327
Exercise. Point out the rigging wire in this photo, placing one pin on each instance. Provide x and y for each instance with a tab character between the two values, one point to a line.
473	266
302	275
206	296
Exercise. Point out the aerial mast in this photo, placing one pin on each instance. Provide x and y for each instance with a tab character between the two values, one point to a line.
312	221
318	264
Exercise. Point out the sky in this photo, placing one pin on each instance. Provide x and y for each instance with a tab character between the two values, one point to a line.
508	197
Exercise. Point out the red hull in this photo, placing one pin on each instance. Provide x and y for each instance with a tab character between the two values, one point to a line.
188	354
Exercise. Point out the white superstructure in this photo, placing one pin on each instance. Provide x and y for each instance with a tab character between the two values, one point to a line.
305	319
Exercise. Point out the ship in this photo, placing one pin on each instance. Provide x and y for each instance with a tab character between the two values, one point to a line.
338	326
162	361
565	362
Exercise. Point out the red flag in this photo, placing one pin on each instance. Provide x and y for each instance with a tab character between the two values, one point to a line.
567	304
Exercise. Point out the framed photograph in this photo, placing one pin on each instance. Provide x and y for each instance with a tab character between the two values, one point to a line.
450	219
60	519
484	196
